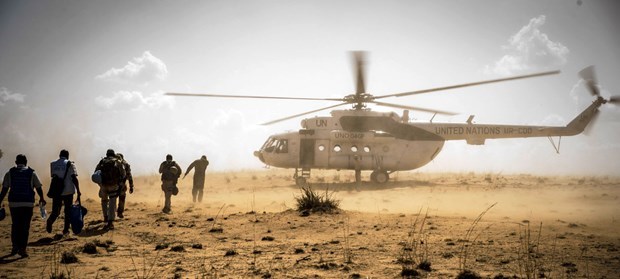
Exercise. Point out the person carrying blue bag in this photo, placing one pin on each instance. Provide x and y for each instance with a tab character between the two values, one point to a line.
21	182
65	173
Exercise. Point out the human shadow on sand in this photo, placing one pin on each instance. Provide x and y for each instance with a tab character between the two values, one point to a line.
9	258
96	229
45	241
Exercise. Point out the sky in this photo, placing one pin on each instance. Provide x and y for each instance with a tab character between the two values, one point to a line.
91	75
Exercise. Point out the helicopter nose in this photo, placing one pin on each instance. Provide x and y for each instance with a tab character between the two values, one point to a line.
259	155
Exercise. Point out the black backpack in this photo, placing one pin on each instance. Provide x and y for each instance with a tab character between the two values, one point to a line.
112	171
167	173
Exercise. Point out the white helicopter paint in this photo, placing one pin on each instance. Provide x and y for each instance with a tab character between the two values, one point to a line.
384	142
328	143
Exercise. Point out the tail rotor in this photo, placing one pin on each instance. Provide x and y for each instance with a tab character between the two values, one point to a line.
589	76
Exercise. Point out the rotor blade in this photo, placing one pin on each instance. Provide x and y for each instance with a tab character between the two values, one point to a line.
358	66
587	131
614	99
467	84
413	108
297	115
250	97
588	75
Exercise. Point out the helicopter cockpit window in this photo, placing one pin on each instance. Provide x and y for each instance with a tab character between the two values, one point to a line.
337	148
367	149
354	148
270	145
282	146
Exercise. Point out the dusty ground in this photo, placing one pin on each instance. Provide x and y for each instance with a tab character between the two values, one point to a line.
564	227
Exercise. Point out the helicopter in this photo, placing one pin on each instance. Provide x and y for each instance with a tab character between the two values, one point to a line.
360	139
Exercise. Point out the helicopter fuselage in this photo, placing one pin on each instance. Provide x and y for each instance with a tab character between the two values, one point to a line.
385	142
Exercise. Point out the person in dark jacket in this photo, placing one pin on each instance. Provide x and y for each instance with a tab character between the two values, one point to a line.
200	166
20	182
170	172
123	194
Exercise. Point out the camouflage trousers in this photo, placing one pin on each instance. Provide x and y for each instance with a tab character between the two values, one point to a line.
168	186
108	195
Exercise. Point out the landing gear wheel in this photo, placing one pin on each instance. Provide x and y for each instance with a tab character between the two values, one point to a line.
300	181
380	176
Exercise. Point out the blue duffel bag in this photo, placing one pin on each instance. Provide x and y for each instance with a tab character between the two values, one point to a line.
77	217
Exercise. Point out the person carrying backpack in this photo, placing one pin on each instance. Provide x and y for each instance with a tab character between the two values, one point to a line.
65	170
112	174
170	172
21	182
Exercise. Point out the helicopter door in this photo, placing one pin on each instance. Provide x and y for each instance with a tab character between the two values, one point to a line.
306	153
321	154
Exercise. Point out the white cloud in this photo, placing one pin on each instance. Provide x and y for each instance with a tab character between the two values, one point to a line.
134	100
140	70
7	96
530	49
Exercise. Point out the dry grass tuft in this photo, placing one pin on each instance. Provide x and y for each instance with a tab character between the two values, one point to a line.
312	201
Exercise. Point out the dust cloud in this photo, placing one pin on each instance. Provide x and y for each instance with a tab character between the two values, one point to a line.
592	200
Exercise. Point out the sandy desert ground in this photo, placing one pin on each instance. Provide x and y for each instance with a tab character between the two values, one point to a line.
247	227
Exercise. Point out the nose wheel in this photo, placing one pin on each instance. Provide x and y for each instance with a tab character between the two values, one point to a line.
380	176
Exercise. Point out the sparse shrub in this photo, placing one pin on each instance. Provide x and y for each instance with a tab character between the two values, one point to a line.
409	273
216	230
468	274
425	265
68	258
177	248
161	246
414	251
90	248
464	251
311	201
147	271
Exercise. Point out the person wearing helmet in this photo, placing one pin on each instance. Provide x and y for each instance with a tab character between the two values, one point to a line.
170	173
21	182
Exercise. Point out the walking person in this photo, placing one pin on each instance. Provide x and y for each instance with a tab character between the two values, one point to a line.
112	172
170	172
20	182
65	170
200	167
123	193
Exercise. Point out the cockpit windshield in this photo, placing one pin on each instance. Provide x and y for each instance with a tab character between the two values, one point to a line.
275	145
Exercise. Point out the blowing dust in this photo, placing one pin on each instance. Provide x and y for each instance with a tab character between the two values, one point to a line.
580	200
